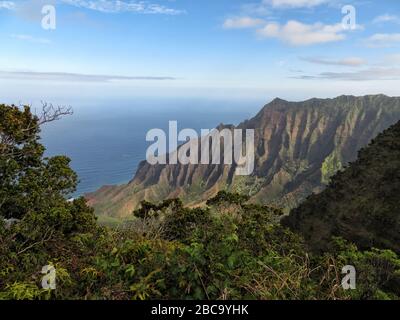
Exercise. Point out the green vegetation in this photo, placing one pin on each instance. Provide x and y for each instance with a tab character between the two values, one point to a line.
361	203
330	166
227	249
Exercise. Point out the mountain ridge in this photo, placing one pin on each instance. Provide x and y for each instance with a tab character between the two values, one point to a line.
298	147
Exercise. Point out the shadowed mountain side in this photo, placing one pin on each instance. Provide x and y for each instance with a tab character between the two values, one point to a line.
361	203
298	147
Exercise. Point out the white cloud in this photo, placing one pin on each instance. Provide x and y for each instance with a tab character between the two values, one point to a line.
393	59
386	18
242	23
294	3
29	38
362	75
105	6
9	5
116	6
266	7
347	62
72	77
300	34
383	40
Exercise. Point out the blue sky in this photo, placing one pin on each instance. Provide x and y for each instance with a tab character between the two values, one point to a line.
294	49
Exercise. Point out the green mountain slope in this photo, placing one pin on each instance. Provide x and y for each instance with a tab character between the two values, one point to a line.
299	146
361	204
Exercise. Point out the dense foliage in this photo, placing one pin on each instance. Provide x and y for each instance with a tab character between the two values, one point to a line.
361	203
175	252
228	249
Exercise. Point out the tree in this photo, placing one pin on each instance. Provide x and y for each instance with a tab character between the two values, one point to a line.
30	182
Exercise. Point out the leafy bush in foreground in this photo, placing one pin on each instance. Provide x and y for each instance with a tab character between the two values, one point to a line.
240	254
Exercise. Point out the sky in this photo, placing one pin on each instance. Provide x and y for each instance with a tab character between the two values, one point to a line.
236	49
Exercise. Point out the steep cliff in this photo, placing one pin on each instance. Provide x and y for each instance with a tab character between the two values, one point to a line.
298	147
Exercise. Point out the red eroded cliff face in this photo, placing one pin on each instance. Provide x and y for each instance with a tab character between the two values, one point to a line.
298	147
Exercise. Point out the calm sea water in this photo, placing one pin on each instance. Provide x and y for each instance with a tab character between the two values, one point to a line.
106	140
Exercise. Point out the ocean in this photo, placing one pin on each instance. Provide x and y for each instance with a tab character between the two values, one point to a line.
106	140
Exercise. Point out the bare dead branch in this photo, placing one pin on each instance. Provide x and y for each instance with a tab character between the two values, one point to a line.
51	113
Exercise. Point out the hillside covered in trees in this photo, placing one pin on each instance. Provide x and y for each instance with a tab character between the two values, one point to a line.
226	249
361	203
